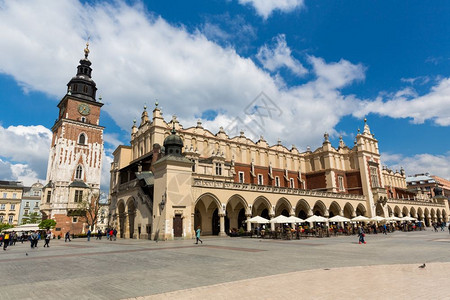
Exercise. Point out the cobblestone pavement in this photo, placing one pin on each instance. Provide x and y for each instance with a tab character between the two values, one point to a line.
229	268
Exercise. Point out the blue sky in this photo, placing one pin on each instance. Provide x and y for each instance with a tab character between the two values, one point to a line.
325	64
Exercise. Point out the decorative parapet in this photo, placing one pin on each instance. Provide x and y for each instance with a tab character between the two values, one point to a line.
271	189
417	202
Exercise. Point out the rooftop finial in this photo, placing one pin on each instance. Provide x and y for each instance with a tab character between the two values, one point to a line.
86	50
173	128
156	103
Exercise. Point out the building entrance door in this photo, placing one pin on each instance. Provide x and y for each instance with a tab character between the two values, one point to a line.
177	226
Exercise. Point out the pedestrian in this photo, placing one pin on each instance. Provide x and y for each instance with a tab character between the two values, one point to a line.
384	228
361	235
13	238
449	228
67	236
48	236
111	234
197	235
6	240
89	235
34	239
115	234
107	233
99	234
22	238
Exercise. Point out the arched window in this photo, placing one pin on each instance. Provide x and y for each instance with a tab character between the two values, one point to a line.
75	87
82	139
85	89
79	172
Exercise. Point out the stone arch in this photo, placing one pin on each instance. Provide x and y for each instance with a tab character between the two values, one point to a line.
405	211
236	210
121	212
438	215
349	211
433	215
262	207
334	209
427	217
390	213
283	207
397	211
131	216
420	214
320	209
413	212
302	209
379	211
444	215
361	210
206	214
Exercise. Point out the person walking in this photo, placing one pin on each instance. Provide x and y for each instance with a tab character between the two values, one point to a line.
6	240
34	239
115	234
361	235
384	228
48	236
197	235
89	235
99	234
67	236
111	234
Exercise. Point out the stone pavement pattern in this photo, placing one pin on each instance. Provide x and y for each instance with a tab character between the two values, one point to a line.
137	268
372	282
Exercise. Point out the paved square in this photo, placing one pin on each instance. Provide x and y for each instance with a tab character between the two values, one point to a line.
224	267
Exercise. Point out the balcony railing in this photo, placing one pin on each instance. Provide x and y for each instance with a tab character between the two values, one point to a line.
271	189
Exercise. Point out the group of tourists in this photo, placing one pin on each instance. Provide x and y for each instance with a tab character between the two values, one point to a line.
11	238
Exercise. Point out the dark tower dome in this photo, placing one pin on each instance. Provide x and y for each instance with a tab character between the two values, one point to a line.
173	144
82	85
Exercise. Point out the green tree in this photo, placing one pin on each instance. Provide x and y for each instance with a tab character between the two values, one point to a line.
47	224
33	218
90	208
5	226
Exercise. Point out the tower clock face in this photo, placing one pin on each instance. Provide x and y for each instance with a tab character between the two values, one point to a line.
84	109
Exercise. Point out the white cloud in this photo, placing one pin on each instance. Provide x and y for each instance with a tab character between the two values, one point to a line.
435	105
420	163
279	56
25	150
264	8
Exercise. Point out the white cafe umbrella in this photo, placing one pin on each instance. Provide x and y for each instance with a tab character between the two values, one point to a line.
316	219
393	218
339	219
280	219
258	220
360	219
377	219
408	218
293	219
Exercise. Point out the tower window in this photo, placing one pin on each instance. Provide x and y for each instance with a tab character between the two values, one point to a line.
83	119
85	89
78	196
49	196
79	172
292	183
75	87
341	183
241	177
82	137
277	181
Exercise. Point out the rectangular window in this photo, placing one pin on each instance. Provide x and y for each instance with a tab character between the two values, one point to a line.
292	183
78	196
25	212
341	183
14	195
218	169
27	204
374	177
2	206
260	179
1	219
37	193
36	205
13	207
75	219
49	196
10	219
5	195
241	177
277	181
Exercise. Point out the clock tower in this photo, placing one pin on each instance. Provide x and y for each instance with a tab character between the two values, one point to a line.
75	159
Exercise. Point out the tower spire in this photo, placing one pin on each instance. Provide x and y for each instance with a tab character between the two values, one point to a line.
86	50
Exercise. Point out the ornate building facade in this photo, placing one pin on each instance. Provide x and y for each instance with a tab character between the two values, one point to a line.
75	159
197	178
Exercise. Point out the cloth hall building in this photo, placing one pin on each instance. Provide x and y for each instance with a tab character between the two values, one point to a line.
172	180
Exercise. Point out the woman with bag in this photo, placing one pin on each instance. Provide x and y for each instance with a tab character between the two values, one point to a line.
361	234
